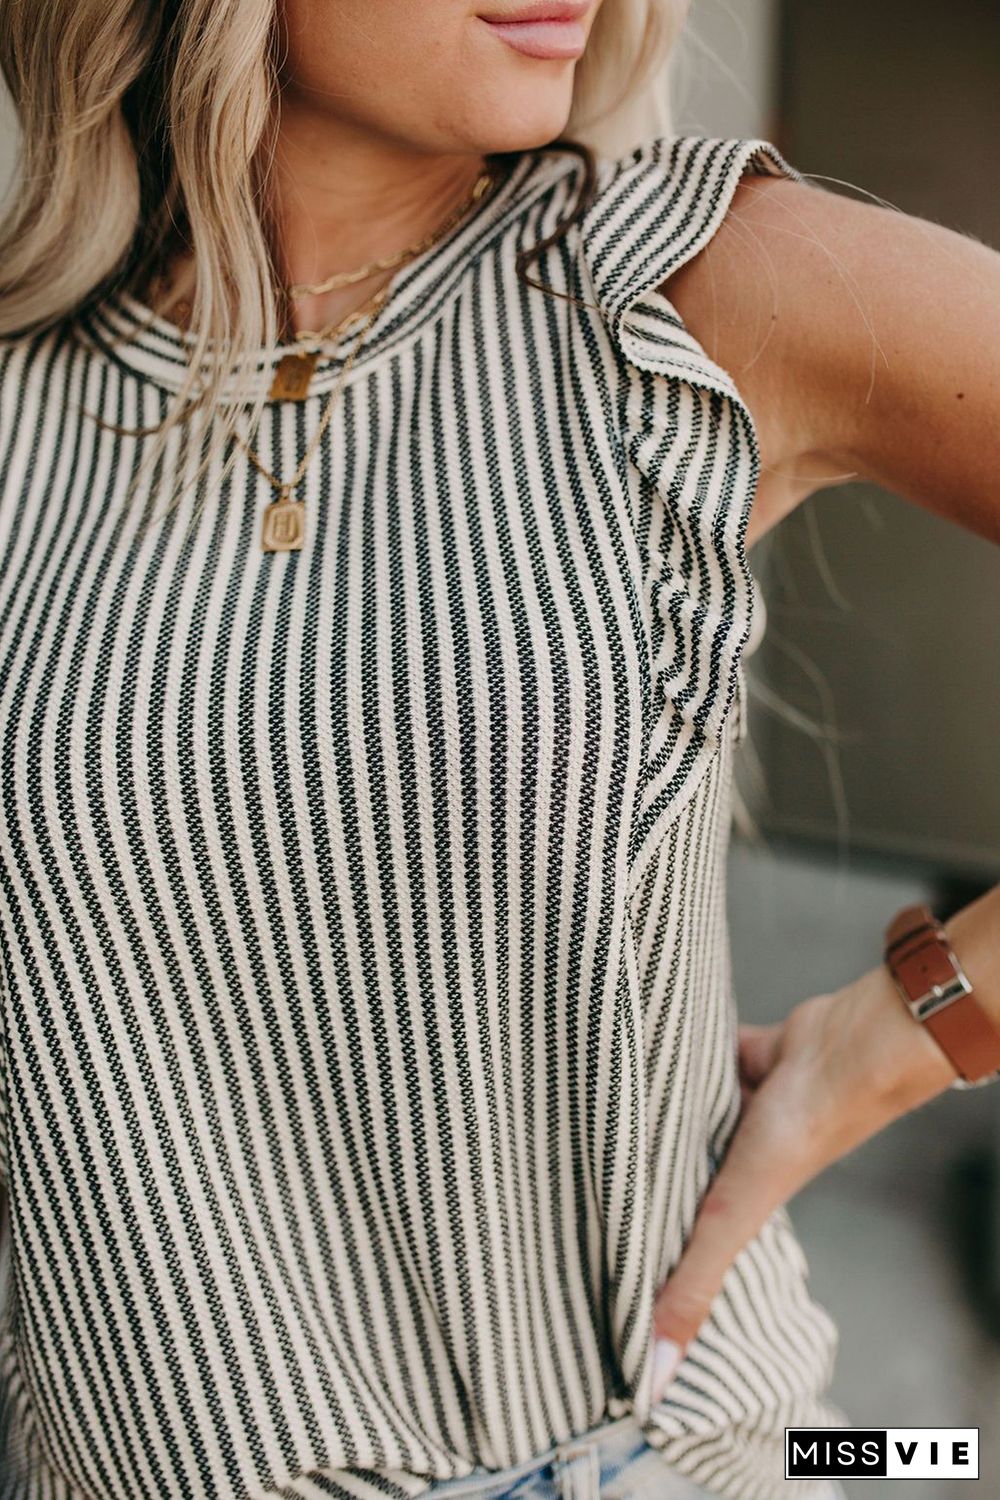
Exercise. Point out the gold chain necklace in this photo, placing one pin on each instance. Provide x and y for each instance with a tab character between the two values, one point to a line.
388	263
283	525
294	372
335	329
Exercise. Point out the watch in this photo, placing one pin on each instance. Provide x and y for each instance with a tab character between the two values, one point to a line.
939	994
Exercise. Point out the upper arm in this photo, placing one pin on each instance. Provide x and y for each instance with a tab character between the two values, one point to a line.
865	342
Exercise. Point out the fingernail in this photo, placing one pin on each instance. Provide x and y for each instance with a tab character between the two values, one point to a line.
666	1358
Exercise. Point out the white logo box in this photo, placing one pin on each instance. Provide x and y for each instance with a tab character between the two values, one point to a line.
882	1453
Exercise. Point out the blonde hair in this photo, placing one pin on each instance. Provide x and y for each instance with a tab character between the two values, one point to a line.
139	116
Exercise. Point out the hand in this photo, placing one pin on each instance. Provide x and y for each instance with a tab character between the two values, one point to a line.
838	1069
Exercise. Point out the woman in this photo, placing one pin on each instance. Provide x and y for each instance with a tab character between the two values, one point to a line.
373	1116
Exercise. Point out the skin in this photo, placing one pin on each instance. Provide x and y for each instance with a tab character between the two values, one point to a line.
388	110
824	310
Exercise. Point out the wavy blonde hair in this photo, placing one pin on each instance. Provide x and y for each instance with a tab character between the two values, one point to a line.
140	116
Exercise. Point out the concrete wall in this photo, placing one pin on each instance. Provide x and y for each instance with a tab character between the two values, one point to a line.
725	76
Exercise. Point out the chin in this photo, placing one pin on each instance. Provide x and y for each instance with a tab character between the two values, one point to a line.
520	125
525	136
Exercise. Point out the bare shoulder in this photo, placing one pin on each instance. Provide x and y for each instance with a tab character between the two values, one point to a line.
771	301
823	308
774	269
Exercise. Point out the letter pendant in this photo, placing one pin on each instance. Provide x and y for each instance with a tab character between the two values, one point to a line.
283	527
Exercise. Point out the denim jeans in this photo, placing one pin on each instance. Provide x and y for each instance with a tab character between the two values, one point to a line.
612	1461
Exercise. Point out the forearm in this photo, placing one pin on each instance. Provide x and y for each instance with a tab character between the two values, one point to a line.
837	1070
902	1065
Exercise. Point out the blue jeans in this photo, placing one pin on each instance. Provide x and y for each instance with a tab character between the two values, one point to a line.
612	1461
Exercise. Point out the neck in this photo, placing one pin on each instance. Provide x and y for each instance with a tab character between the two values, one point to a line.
342	198
345	197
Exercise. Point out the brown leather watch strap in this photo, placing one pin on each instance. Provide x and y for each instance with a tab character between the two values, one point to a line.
939	993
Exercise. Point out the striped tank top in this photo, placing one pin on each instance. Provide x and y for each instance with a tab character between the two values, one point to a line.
367	1035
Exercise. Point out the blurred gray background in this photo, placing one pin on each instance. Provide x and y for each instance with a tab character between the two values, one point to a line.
880	618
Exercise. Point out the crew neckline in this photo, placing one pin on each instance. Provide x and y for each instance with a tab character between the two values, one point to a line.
136	336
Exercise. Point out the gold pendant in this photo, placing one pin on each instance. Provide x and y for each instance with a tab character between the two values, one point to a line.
293	376
283	527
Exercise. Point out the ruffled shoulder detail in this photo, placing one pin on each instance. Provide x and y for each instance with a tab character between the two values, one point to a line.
690	448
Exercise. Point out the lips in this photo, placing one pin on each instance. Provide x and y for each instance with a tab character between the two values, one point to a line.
547	30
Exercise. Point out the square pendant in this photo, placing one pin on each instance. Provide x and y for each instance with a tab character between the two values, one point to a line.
283	527
292	377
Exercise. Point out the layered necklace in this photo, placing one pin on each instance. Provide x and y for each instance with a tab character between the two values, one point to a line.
283	527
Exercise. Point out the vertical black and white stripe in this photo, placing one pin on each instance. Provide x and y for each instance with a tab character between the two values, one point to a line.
367	1025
